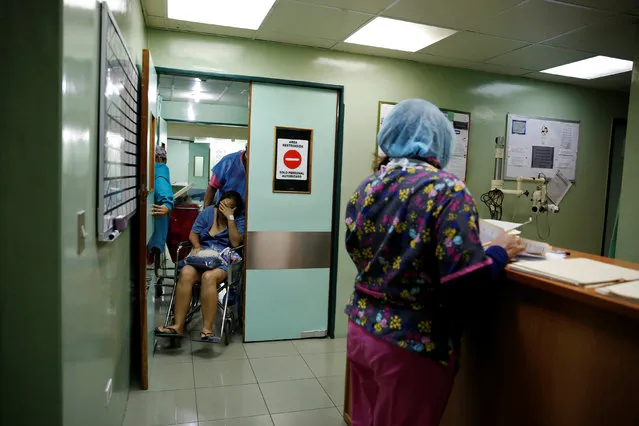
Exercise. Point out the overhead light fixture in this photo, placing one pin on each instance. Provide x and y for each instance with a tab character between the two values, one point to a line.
246	14
190	113
591	68
398	35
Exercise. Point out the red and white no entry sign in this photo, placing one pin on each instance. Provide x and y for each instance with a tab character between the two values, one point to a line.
292	159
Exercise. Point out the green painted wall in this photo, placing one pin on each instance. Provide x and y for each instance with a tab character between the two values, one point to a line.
199	150
488	97
628	225
30	309
96	285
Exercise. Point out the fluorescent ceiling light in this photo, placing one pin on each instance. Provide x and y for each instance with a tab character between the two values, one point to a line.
247	14
591	68
398	35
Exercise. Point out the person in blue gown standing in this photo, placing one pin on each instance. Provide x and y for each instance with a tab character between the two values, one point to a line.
163	203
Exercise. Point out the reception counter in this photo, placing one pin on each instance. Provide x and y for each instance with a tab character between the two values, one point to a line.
545	353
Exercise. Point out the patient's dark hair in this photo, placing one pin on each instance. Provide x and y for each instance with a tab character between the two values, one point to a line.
235	196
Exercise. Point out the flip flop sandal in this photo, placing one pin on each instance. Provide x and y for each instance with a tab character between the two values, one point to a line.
171	333
207	338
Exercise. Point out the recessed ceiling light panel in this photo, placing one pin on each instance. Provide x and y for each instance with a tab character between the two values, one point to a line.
398	35
245	14
591	68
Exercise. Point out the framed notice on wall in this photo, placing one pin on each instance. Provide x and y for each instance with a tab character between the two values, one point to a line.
293	160
538	145
117	132
461	123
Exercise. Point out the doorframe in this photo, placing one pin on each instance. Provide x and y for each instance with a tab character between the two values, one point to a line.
337	178
140	241
613	123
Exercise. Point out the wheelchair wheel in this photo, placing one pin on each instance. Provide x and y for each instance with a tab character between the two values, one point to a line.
228	329
158	288
175	342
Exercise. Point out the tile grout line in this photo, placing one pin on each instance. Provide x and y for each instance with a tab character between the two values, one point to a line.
197	411
268	410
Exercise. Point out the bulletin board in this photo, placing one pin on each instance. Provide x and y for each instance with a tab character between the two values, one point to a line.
460	120
293	160
118	131
539	145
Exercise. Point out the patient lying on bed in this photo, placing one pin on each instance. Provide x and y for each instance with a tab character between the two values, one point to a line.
216	229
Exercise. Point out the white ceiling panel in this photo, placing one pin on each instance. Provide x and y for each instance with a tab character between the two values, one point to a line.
155	7
374	51
539	57
218	92
538	20
461	63
619	82
196	27
473	46
294	18
612	37
295	39
367	6
609	5
457	14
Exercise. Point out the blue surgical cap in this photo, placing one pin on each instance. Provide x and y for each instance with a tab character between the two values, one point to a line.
417	129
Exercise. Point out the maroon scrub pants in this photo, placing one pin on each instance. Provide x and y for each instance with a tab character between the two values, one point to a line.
391	386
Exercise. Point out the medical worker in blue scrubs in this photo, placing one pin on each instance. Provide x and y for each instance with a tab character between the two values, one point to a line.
162	205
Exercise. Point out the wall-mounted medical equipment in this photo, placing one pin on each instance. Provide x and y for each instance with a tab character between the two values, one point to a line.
545	198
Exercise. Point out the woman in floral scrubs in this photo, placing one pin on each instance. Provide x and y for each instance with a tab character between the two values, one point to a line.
412	232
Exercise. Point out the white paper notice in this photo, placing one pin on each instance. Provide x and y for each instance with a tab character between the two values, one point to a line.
292	159
541	146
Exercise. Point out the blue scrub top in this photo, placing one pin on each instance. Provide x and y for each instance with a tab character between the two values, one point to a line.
163	196
229	174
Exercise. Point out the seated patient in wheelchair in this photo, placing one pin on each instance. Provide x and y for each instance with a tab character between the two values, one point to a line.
217	229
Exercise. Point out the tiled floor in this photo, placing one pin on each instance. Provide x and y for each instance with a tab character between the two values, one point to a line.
257	384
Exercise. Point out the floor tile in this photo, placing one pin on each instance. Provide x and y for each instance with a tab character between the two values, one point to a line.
326	417
320	346
243	421
207	351
209	374
295	395
270	349
324	365
229	402
160	408
168	354
171	376
280	368
334	387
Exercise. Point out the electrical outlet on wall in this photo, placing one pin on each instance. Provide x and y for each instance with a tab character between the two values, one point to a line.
108	391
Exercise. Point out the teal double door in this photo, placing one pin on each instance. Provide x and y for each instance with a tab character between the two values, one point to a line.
289	235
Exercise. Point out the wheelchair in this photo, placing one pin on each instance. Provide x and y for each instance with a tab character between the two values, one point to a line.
229	297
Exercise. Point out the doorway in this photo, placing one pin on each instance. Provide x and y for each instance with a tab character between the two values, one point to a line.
615	173
198	119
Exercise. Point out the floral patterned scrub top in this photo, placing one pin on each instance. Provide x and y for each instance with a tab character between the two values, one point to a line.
412	234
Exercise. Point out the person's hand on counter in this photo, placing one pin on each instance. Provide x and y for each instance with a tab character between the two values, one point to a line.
511	243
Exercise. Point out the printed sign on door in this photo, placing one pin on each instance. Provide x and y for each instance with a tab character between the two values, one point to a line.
292	159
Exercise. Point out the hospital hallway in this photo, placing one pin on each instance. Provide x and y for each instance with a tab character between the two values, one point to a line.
287	383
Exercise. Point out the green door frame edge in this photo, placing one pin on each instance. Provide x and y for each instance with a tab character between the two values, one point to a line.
339	138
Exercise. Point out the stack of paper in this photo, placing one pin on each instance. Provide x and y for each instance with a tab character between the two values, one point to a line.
628	291
489	229
578	271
